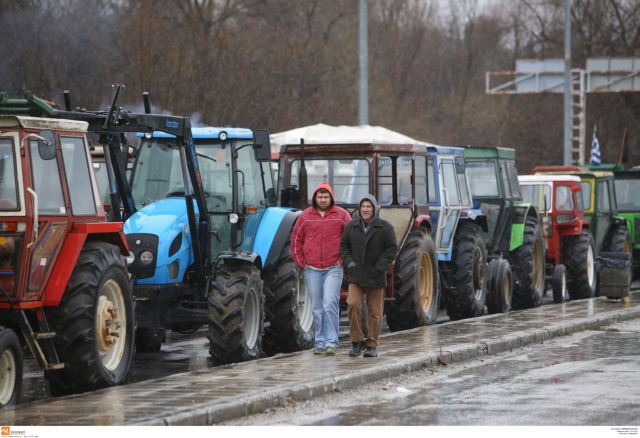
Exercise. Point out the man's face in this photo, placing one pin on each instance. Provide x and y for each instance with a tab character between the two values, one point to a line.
323	199
366	211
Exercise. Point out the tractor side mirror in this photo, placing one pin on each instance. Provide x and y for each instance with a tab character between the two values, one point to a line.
262	145
47	145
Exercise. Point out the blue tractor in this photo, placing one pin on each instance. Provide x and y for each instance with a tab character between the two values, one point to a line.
246	238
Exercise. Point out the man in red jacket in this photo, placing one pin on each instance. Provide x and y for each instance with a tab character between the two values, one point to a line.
315	247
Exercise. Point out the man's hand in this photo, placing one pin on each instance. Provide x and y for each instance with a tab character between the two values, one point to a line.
351	265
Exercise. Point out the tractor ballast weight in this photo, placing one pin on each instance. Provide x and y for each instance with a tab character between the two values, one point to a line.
513	230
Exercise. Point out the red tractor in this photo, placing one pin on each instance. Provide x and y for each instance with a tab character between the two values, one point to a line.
570	254
65	292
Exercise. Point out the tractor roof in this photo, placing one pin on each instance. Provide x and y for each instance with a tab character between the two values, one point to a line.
211	133
571	170
489	152
42	123
449	150
547	178
627	174
355	148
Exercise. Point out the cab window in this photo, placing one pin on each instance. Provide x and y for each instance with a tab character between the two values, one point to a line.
76	168
604	203
564	199
450	182
421	180
431	182
8	185
46	183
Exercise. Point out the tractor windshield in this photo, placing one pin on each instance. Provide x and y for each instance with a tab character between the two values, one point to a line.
537	194
158	173
627	194
8	182
483	179
349	178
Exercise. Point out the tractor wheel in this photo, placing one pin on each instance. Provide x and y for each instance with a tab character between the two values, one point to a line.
468	294
500	287
417	290
618	240
149	340
236	314
94	323
10	367
559	284
288	308
528	266
578	258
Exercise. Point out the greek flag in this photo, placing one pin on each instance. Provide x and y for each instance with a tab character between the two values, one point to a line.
595	150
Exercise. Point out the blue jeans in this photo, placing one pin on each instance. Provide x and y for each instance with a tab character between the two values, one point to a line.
324	289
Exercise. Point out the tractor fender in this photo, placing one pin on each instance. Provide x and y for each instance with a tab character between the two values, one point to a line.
521	212
233	258
274	233
476	216
423	221
109	232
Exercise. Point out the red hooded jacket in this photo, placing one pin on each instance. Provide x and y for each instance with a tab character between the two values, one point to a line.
315	239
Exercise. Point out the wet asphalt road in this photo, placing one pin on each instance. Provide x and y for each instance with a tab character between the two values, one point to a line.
590	378
181	353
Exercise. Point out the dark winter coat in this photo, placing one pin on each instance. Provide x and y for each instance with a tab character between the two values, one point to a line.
372	252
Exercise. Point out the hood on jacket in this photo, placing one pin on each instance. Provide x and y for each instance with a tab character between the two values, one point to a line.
327	187
373	200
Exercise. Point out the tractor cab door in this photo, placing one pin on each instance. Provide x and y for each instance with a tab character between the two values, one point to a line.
455	198
603	212
13	220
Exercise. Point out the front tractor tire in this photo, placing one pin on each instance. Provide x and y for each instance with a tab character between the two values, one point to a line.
468	294
528	263
236	314
579	259
417	292
11	366
288	308
94	323
500	287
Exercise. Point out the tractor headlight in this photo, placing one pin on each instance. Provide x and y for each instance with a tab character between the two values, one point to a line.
146	257
233	218
148	135
222	136
130	258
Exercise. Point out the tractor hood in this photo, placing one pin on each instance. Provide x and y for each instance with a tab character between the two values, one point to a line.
159	217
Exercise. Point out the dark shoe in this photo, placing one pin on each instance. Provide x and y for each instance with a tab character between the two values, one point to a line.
370	352
330	351
356	349
319	351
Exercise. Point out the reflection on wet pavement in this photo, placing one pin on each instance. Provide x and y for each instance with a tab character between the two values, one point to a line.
580	383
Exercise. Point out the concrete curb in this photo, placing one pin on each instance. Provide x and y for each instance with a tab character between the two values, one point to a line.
217	412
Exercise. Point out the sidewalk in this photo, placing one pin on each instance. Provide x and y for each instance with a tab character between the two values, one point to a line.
210	396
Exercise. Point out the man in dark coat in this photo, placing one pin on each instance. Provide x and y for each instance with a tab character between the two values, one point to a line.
367	248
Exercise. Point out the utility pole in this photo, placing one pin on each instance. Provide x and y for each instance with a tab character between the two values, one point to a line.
568	110
363	104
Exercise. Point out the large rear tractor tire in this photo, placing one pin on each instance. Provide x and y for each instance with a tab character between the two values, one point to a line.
94	323
468	294
500	286
579	259
417	291
236	314
528	266
288	308
11	366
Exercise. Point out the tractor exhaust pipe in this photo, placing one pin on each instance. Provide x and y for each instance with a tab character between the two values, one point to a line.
67	100
147	103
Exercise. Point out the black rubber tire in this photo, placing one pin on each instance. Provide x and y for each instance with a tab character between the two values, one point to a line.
618	240
500	286
468	294
559	284
236	314
407	310
150	340
100	270
290	315
575	257
11	363
529	282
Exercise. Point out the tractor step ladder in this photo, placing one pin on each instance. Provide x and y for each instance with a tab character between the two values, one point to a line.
32	339
578	116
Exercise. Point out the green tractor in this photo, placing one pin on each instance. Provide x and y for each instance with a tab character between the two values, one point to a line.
600	192
513	234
